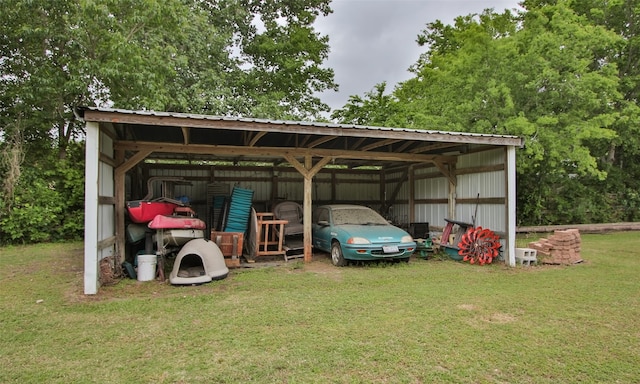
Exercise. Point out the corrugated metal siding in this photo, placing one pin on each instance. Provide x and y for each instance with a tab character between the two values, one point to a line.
357	191
390	186
434	214
485	158
399	214
348	187
290	187
398	210
106	186
321	187
106	145
489	184
105	224
106	212
434	188
489	215
430	188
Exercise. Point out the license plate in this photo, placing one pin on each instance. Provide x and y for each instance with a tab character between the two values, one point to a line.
390	249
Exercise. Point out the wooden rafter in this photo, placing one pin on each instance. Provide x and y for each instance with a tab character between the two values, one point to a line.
444	168
432	147
254	140
186	135
379	144
134	160
404	146
304	141
358	143
319	141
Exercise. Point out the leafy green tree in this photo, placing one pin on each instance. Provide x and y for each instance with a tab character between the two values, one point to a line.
223	57
623	154
545	75
284	58
47	202
375	108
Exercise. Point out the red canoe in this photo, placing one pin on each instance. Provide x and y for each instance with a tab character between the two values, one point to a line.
143	211
176	222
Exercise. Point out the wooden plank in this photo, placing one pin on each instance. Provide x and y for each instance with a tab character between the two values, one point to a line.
106	200
474	170
483	200
107	159
106	243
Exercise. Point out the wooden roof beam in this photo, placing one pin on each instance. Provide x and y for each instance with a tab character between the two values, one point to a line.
267	152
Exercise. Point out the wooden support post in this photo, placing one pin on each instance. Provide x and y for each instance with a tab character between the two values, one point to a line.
306	209
308	171
412	195
119	174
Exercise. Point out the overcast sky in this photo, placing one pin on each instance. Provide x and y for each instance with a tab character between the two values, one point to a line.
375	40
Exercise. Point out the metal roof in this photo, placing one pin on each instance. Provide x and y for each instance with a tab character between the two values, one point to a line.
208	137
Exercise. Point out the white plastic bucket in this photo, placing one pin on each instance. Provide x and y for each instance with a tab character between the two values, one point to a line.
147	267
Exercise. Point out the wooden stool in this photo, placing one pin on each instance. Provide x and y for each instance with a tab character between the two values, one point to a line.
270	235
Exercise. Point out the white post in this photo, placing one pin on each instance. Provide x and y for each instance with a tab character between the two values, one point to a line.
511	205
92	154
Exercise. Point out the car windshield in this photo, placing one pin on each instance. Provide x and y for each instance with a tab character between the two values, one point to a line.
357	216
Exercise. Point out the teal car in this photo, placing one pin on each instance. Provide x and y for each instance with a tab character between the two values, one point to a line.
354	232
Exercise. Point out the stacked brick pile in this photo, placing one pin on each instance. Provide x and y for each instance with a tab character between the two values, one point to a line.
563	247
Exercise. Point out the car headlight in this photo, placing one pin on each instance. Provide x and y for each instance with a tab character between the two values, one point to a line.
406	239
358	240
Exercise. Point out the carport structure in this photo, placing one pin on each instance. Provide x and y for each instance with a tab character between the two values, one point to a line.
440	173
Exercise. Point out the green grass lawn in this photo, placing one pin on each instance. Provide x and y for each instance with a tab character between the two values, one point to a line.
423	322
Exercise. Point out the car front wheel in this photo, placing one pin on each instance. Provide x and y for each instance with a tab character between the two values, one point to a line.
336	255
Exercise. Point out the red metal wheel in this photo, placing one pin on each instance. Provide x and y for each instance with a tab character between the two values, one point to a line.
479	245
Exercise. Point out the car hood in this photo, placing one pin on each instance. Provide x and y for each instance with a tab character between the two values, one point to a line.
375	233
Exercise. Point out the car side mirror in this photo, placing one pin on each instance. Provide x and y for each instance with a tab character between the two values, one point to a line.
323	223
